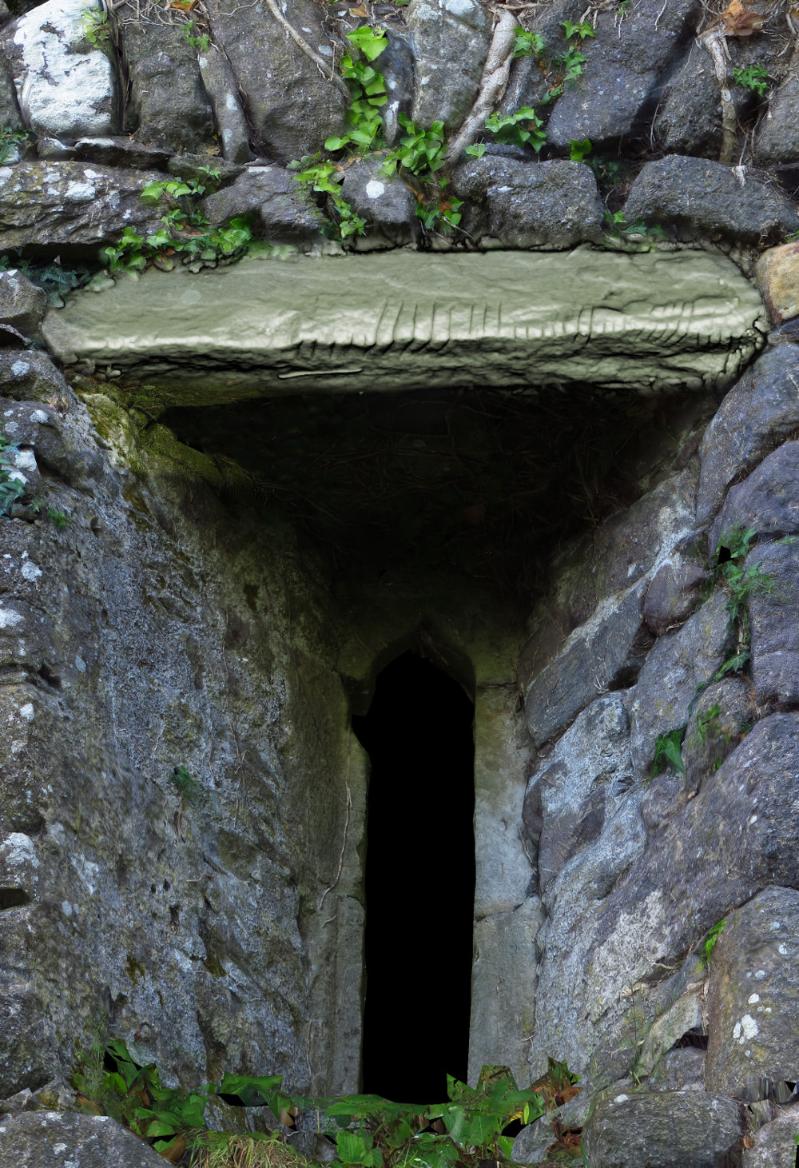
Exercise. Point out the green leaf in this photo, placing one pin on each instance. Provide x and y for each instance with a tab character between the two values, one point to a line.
335	143
476	150
371	41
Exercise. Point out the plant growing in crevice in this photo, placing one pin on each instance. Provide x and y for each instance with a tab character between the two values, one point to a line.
527	44
668	753
755	78
326	178
184	782
95	27
522	128
185	235
9	140
196	37
368	91
740	581
12	483
367	1130
711	940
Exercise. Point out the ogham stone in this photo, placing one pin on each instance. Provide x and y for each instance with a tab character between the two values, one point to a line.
65	85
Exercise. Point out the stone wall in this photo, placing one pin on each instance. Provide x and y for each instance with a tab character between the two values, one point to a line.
182	800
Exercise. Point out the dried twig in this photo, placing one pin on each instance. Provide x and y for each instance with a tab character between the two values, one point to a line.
715	43
324	67
492	84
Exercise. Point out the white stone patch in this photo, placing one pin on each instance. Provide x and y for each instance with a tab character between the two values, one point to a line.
17	476
374	189
775	926
745	1030
59	1149
782	949
753	999
9	618
460	7
25	460
752	819
19	851
231	103
11	427
80	665
80	192
66	908
65	86
30	571
621	1098
27	712
20	369
760	974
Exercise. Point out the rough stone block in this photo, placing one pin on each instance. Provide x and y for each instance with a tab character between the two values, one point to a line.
599	655
767	501
757	414
668	1129
444	31
701	198
168	105
385	203
778	279
774	1145
41	1139
22	304
753	998
56	203
285	210
777	139
773	611
531	204
676	667
721	715
66	86
674	592
573	790
292	106
623	65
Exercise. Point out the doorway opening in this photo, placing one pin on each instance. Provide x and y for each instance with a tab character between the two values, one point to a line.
419	881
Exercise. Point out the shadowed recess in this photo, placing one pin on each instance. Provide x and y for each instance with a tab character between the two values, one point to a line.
419	881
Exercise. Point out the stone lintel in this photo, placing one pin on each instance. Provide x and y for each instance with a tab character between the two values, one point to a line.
648	322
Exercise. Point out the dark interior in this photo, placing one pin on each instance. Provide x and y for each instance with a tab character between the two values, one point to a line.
419	881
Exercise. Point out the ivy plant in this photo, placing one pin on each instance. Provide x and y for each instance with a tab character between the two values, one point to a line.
368	89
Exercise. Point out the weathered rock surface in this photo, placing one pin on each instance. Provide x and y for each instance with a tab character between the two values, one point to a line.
722	714
385	203
271	195
529	311
600	655
42	1139
753	999
54	204
761	411
622	68
678	664
66	86
223	94
578	786
688	116
443	31
774	1145
670	1129
291	105
775	630
168	105
675	591
767	501
701	198
778	280
22	304
531	204
777	139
